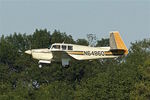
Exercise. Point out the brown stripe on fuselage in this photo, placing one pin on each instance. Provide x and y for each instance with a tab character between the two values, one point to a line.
76	52
115	52
108	53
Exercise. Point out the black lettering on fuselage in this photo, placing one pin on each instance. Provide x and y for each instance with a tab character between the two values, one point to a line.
94	53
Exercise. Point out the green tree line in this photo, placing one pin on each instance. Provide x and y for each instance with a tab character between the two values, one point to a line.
125	78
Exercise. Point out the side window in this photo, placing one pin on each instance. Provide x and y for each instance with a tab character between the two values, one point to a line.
70	48
56	47
63	47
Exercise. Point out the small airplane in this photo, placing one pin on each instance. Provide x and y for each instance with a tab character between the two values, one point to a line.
63	52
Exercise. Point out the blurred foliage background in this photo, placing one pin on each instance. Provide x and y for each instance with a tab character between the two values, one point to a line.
104	79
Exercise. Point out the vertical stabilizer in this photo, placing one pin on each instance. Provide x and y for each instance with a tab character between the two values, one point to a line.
116	42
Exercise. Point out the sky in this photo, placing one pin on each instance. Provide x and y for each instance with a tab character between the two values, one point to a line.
78	17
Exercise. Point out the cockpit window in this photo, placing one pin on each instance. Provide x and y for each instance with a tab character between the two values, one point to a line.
63	47
70	48
56	47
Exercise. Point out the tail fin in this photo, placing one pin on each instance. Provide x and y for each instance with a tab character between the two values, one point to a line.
116	43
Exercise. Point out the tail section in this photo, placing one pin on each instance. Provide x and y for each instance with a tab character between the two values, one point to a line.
117	44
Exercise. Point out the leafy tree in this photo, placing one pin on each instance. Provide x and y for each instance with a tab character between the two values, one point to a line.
7	52
142	88
103	42
58	37
21	79
40	39
82	42
55	91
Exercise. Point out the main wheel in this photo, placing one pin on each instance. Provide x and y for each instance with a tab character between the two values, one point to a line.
40	65
66	66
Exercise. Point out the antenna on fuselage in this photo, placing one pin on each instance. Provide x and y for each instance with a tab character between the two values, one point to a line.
63	41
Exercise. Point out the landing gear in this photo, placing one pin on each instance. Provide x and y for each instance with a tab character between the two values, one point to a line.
66	66
43	62
40	65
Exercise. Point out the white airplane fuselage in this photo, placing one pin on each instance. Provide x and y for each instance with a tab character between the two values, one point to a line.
65	52
78	52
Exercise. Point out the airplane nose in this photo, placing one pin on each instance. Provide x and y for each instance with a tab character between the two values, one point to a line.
28	52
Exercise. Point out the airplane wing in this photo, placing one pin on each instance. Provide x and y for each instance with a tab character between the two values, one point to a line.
66	56
78	55
62	56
